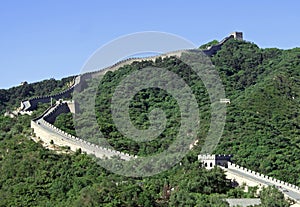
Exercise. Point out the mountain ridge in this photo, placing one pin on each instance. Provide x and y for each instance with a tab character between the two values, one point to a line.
262	131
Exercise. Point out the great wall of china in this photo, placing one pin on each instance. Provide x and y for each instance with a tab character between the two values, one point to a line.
31	104
44	129
266	178
48	133
252	178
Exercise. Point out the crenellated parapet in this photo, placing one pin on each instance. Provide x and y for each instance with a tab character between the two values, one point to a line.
210	161
257	175
43	125
244	175
44	129
31	104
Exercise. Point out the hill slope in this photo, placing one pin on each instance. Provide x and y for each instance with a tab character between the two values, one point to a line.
263	124
262	131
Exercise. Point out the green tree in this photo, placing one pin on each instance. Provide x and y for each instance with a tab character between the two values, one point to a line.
272	197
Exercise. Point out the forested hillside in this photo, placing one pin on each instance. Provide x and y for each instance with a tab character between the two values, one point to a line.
12	97
263	124
261	131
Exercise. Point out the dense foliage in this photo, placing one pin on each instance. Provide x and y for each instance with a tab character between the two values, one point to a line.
65	122
12	97
262	131
144	102
33	176
262	126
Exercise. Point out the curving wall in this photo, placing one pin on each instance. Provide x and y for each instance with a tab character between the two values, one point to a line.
257	175
252	178
215	48
31	104
48	133
43	128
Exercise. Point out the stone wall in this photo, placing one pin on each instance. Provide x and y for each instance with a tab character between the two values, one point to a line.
210	161
266	178
48	133
215	48
31	104
56	111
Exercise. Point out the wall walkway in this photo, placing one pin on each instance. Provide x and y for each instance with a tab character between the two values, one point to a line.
48	133
43	128
252	178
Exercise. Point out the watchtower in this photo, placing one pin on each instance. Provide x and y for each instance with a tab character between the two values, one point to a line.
210	161
237	35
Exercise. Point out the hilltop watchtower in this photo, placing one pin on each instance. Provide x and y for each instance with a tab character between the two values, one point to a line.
210	161
237	35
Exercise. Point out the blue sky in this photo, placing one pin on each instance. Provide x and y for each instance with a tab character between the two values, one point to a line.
52	39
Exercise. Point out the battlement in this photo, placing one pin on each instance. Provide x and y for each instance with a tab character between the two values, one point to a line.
236	171
206	157
214	157
224	157
43	124
209	161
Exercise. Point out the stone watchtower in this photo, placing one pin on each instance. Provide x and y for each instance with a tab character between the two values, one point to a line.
210	161
237	35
